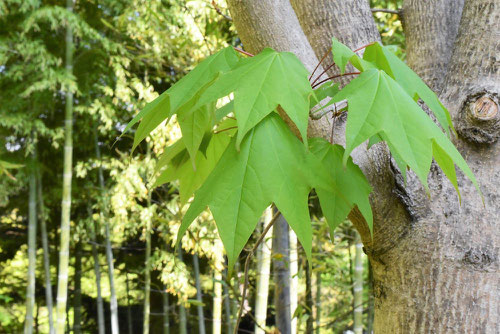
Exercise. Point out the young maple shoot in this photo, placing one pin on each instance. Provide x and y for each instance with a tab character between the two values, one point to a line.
242	157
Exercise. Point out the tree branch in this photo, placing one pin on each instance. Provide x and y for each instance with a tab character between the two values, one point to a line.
385	10
219	11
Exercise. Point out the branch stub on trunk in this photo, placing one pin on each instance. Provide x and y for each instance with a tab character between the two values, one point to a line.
480	121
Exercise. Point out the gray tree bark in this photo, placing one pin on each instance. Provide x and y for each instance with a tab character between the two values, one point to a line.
435	263
430	29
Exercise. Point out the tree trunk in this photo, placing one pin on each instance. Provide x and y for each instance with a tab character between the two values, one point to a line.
430	29
199	297
358	285
30	286
435	263
294	278
371	310
217	301
281	270
97	273
451	256
263	275
113	303
77	300
46	253
62	282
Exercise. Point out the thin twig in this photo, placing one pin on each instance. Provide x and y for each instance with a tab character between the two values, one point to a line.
247	265
219	11
335	76
244	52
385	10
322	58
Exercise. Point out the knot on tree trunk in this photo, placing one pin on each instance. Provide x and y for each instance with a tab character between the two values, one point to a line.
480	120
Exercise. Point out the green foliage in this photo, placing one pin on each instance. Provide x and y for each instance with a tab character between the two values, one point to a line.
336	209
264	163
272	167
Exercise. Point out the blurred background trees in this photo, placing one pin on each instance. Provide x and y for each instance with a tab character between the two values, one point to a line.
123	272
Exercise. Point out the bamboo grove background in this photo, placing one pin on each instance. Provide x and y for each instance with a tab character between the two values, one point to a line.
85	245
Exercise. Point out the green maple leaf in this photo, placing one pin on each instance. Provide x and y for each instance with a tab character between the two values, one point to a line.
385	60
176	163
168	103
194	127
342	55
350	180
260	84
271	167
378	105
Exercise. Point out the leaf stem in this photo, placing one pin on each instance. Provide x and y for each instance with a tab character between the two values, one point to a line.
324	71
230	128
335	76
317	66
247	265
244	52
364	46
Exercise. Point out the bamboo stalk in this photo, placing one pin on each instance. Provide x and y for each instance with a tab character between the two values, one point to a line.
113	303
217	301
199	297
294	278
358	286
77	300
263	275
32	222
46	254
97	273
62	284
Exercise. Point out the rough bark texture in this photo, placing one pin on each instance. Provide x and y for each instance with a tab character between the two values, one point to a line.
430	37
447	267
435	263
